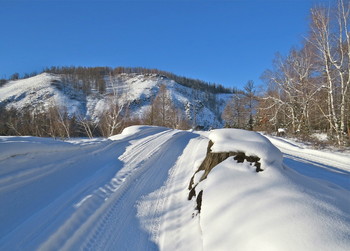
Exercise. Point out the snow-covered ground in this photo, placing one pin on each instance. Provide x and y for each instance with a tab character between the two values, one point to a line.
40	93
130	192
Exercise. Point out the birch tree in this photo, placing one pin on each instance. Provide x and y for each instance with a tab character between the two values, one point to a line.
309	88
113	118
330	35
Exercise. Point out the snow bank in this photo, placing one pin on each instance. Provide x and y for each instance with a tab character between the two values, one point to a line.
11	146
126	132
278	210
251	143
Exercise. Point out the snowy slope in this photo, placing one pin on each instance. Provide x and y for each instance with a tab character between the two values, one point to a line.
137	90
41	92
130	192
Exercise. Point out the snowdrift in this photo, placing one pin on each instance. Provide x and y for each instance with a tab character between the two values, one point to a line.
248	142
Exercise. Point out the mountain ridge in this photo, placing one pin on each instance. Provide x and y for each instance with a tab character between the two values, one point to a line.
135	92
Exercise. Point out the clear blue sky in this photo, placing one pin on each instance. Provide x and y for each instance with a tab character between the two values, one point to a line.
227	42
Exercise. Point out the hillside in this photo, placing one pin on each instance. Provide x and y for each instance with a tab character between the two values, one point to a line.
130	192
134	92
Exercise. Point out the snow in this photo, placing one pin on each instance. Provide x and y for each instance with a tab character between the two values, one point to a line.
281	130
30	85
11	146
320	136
40	92
251	143
277	211
129	192
166	213
130	131
335	160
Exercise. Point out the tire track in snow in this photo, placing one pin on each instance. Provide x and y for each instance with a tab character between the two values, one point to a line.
100	228
326	166
324	158
134	156
69	174
149	172
65	202
166	214
27	175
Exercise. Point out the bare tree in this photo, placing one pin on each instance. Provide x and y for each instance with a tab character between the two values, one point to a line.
235	113
87	125
162	111
111	119
292	87
59	121
309	88
163	108
228	115
250	100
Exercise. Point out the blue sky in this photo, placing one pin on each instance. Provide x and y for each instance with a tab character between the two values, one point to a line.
226	42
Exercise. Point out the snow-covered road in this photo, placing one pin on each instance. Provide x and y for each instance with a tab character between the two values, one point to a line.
332	167
84	195
130	193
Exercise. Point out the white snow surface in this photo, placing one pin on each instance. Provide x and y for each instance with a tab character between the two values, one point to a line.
251	143
130	192
39	93
320	136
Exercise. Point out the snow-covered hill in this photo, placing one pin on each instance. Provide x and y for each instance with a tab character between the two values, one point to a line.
137	90
41	92
130	192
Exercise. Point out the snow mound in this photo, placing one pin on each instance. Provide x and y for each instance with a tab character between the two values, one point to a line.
248	142
241	209
137	129
128	131
278	210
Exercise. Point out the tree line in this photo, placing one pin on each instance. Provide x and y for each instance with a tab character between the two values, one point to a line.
94	77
